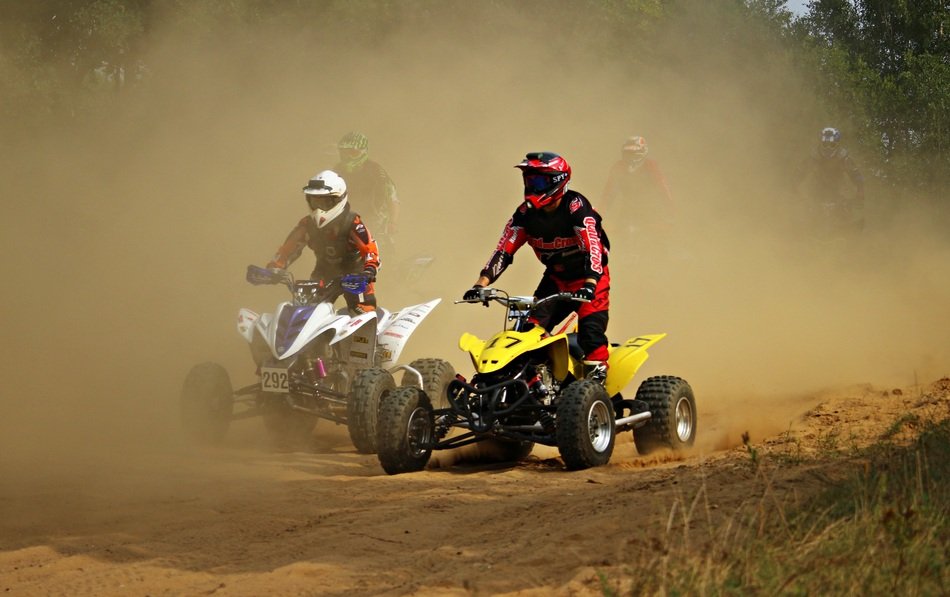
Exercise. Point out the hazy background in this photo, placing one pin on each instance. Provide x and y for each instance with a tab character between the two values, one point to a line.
126	236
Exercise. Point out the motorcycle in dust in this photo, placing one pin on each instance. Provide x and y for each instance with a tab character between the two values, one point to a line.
314	362
530	387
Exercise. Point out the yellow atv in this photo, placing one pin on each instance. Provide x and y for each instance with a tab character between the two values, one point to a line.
531	386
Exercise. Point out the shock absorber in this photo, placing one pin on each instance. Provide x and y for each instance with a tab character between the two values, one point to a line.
540	391
315	369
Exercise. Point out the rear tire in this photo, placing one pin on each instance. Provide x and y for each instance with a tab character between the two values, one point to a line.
207	401
362	408
405	424
436	376
585	425
673	409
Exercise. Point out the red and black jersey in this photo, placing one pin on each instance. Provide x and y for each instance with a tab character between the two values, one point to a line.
569	241
638	194
343	246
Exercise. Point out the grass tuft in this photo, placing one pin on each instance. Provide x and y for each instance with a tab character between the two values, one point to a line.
881	528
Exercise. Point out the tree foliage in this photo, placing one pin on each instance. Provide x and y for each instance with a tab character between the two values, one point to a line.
884	66
880	68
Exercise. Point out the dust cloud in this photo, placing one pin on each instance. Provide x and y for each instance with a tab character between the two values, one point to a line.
126	236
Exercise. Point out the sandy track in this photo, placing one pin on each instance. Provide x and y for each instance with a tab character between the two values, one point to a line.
241	520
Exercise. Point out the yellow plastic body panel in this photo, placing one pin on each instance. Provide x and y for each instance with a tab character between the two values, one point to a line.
626	359
502	348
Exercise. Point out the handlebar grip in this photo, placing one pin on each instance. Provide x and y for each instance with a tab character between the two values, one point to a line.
260	275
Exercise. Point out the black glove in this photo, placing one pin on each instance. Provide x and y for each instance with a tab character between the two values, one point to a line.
370	274
473	294
585	293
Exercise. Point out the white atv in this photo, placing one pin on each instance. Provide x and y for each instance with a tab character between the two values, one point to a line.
314	362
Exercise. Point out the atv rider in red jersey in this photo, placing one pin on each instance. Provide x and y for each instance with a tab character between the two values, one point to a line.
338	238
638	194
567	237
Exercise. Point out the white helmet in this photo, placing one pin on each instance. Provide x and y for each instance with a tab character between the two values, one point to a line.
326	195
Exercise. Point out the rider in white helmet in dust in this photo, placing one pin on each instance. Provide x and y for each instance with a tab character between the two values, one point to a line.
338	238
832	179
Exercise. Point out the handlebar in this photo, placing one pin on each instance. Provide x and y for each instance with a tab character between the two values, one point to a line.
308	291
488	293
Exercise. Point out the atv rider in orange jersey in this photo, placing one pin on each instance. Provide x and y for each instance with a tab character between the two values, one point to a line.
338	238
567	237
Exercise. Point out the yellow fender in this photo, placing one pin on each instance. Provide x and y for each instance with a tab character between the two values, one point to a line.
626	359
504	347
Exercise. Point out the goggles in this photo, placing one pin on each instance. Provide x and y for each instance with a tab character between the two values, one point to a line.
537	184
322	202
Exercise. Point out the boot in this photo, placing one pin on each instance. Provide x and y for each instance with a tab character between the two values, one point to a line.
596	371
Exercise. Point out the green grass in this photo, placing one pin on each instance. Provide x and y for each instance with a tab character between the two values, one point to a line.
882	530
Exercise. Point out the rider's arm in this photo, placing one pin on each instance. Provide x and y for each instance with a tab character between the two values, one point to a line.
384	197
511	240
392	201
856	177
288	252
660	182
588	233
362	239
669	206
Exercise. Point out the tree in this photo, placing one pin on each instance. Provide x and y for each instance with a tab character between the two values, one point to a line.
885	66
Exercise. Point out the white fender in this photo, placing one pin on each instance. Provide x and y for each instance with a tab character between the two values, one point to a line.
352	325
360	333
382	317
391	337
263	324
245	323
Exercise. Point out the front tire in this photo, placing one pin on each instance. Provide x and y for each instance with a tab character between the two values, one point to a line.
436	376
585	425
405	426
673	409
362	408
207	401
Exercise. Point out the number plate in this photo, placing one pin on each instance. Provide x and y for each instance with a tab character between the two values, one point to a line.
274	379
